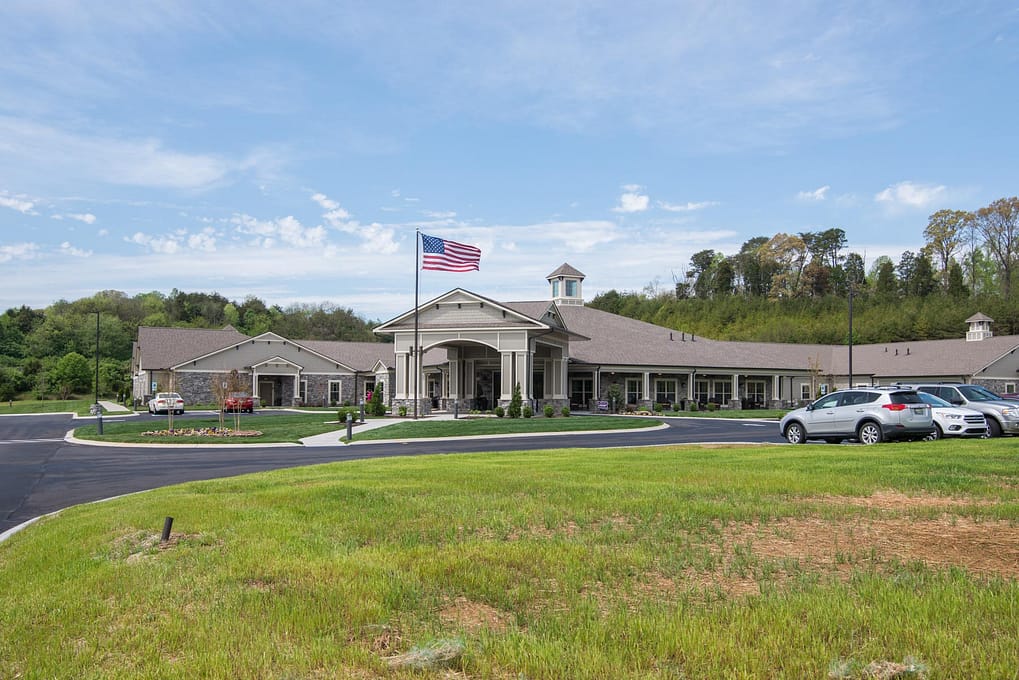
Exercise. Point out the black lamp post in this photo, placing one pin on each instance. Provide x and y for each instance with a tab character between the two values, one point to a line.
850	336
98	408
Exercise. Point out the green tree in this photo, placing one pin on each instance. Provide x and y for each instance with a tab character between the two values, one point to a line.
516	403
944	233
71	374
998	224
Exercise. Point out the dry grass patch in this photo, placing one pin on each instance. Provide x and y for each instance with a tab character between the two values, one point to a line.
473	617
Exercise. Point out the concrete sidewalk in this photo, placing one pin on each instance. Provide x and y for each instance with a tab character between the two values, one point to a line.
333	438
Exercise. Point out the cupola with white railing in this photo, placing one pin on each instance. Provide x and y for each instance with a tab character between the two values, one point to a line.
979	327
567	285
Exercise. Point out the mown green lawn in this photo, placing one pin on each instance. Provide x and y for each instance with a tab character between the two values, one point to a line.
811	561
23	406
293	427
469	427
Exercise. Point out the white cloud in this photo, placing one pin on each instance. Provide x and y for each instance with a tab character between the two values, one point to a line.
204	241
818	194
21	205
87	218
439	215
18	251
68	249
686	207
910	195
287	230
157	244
113	159
633	200
335	215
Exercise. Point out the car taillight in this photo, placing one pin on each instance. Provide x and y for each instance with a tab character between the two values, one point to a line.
894	407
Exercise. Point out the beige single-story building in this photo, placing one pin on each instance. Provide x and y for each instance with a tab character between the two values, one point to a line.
473	350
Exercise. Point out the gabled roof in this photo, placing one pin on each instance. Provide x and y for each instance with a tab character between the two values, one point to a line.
951	357
979	316
511	318
159	348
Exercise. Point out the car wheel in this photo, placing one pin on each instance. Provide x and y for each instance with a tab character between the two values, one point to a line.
993	428
795	434
869	433
938	433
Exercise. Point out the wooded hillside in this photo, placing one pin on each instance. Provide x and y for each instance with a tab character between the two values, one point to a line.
51	352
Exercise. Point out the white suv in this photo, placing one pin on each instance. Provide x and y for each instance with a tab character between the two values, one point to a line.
867	414
1002	414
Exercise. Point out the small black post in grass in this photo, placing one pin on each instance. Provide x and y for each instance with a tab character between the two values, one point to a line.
350	426
167	525
456	409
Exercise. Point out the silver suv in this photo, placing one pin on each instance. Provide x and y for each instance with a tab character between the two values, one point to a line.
868	414
1002	414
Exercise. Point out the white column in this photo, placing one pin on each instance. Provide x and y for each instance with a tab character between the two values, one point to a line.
735	385
646	387
690	384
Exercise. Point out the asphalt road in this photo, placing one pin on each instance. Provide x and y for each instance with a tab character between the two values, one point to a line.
40	472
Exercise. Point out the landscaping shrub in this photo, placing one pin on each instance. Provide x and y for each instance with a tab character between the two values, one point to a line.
565	412
528	411
549	410
694	406
403	411
675	407
516	403
499	412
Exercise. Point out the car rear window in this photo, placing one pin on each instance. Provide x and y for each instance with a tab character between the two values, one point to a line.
909	397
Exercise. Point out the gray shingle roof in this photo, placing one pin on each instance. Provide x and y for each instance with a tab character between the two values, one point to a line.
159	348
566	270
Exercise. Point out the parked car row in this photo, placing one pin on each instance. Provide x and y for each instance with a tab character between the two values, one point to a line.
164	402
905	412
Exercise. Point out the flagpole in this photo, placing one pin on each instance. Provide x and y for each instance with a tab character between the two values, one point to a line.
415	359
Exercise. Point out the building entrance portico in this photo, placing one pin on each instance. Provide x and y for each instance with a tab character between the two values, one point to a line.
482	349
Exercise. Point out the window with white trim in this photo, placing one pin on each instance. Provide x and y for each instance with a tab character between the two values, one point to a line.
805	391
665	391
723	391
633	390
335	392
755	391
700	391
304	392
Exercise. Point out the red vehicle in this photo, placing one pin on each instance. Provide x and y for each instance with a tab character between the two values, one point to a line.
239	402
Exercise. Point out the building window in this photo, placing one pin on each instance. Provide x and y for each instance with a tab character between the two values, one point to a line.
571	288
369	387
581	392
633	390
304	392
665	391
700	391
335	392
723	391
805	391
755	391
555	289
1009	388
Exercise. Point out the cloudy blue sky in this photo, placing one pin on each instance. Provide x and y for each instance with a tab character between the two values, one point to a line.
290	150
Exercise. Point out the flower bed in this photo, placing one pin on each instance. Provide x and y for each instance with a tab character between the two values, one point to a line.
202	432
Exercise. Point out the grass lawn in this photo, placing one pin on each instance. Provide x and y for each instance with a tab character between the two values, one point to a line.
292	428
466	427
22	406
272	428
682	562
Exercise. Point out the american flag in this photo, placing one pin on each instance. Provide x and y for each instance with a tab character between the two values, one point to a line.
448	256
